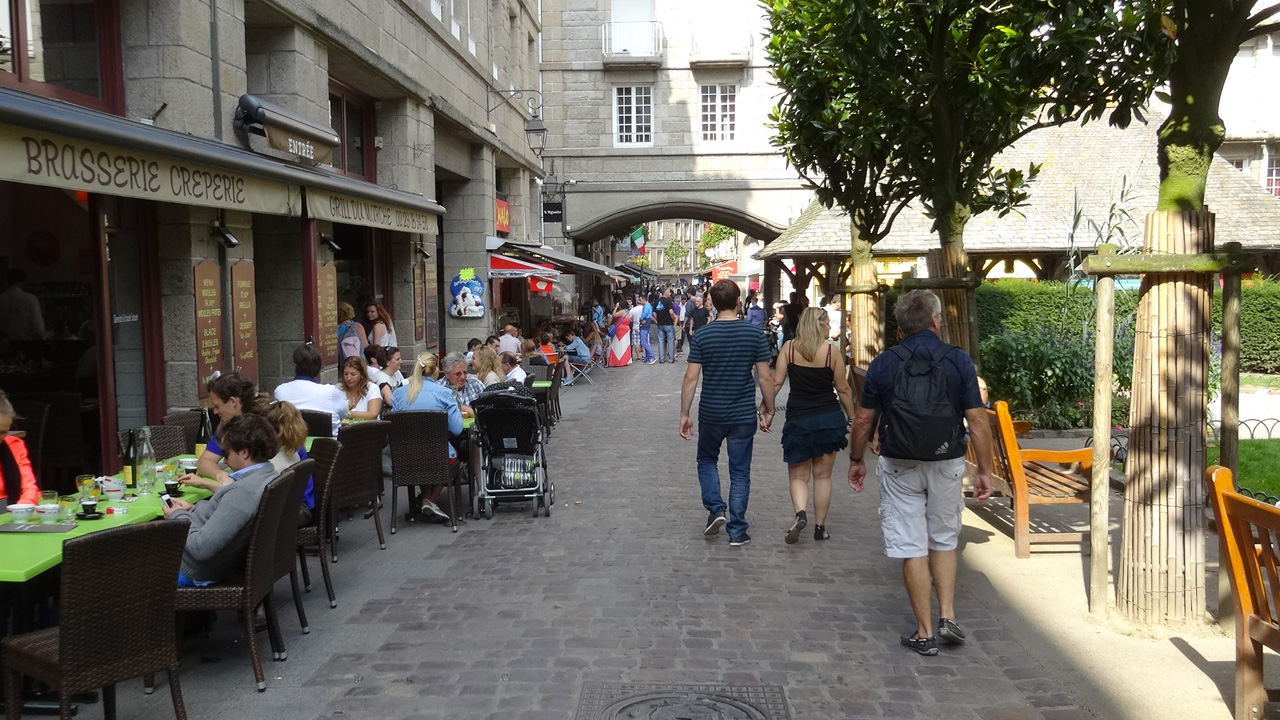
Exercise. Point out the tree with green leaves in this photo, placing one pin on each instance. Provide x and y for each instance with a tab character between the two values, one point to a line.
712	238
676	253
930	91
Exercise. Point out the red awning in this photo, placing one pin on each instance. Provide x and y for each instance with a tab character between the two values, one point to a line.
504	266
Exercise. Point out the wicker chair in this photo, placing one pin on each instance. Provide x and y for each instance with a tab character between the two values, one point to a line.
111	631
33	419
189	421
319	423
553	394
286	543
166	441
357	472
313	538
420	458
251	586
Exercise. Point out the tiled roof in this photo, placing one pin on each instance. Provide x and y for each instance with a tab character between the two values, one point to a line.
1088	162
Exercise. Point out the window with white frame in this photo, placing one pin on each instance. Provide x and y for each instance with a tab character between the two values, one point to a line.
633	115
719	112
1273	175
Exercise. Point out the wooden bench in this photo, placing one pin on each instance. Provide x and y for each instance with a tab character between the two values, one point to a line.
1034	477
1250	535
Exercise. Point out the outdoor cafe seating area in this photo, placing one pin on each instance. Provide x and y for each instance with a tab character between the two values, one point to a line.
88	585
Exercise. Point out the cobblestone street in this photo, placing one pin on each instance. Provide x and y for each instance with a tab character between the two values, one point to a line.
511	618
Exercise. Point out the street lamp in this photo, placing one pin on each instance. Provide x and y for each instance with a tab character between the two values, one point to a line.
535	130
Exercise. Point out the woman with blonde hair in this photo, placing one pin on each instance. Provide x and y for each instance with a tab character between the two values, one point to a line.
291	432
364	400
488	366
816	428
422	392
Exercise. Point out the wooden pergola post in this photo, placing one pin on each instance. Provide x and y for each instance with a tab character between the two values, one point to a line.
1229	430
1104	337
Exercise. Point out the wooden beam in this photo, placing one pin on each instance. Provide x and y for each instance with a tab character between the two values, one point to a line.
939	283
865	289
1147	264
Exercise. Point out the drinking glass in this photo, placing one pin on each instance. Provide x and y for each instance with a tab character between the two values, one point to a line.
68	503
146	483
49	497
88	485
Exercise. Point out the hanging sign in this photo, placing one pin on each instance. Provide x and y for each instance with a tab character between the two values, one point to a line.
327	297
208	288
537	284
501	216
419	309
468	295
244	319
552	212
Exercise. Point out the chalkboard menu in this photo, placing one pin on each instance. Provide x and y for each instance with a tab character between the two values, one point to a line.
244	316
431	314
327	295
208	323
419	306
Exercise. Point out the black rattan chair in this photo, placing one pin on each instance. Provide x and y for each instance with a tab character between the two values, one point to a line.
357	472
420	458
313	538
167	441
319	423
553	393
111	630
251	586
286	543
33	419
189	421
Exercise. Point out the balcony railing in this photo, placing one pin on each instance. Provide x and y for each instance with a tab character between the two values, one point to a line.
724	47
632	43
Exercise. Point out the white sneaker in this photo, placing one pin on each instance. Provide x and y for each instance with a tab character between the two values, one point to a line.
431	507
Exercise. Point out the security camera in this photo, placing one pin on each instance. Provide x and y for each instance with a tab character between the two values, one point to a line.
224	236
328	241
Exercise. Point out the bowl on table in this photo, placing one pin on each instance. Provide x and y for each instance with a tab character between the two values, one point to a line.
188	465
22	512
48	514
112	488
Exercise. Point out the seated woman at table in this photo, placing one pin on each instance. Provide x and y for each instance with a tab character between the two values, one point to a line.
422	392
291	435
230	395
364	401
488	367
529	351
15	465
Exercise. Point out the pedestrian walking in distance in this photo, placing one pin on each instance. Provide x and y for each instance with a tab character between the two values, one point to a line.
923	390
723	353
816	427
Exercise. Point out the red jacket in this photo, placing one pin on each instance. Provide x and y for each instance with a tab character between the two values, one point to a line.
30	490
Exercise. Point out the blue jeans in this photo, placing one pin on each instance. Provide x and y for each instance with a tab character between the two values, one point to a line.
644	342
667	343
741	436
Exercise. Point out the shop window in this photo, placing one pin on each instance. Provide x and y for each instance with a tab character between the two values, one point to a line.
63	49
1273	175
633	115
719	112
352	117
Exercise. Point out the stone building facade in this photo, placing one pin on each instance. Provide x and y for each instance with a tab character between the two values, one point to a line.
1252	115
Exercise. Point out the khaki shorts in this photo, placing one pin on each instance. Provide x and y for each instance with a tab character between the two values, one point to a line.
920	505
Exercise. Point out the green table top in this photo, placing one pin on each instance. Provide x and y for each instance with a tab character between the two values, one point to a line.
24	556
541	383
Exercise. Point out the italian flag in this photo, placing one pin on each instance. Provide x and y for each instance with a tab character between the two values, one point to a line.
637	238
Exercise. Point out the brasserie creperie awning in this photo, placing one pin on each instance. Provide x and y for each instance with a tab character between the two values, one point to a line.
57	144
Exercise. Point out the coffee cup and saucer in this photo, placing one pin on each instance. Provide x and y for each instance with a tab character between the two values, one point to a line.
173	487
88	509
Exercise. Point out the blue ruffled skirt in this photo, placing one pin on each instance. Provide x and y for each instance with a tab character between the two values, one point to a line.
812	437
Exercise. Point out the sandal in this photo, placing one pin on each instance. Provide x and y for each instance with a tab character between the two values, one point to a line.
924	646
820	532
793	535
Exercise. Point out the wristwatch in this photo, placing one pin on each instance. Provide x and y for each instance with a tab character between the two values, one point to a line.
856	460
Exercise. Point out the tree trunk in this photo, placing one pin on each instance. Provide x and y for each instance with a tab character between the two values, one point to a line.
865	309
960	326
1161	577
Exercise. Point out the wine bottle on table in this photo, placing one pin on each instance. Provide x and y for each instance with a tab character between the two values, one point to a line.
205	433
130	460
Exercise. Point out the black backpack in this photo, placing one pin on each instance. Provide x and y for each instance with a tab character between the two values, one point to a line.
920	422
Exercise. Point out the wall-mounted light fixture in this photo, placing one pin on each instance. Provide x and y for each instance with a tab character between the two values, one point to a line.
328	241
224	236
422	250
534	130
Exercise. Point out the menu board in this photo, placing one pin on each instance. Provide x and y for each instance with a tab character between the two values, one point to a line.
431	307
327	296
419	307
208	288
244	319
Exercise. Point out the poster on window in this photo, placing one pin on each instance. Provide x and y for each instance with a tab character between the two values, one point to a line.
468	295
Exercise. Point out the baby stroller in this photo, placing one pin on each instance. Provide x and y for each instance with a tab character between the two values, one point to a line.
514	465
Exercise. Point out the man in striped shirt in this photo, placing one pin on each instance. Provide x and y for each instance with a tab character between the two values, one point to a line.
723	353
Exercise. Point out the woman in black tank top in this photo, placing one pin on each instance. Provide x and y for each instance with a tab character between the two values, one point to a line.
816	428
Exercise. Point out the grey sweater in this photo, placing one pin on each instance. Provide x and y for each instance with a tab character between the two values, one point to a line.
221	526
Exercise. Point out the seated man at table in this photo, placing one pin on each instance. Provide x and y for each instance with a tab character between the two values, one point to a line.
305	390
466	387
578	352
221	525
511	367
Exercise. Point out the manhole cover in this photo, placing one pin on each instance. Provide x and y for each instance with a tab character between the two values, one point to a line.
646	701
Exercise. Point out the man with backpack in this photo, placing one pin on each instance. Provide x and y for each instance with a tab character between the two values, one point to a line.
922	391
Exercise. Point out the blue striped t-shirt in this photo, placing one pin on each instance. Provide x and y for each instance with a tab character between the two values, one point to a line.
727	350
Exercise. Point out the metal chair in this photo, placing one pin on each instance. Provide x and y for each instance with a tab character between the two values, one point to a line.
166	441
286	544
357	472
420	458
33	419
319	423
111	630
189	421
580	371
251	586
313	538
